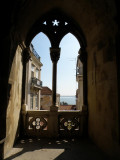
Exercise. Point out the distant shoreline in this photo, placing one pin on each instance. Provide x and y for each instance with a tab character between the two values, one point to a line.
68	96
70	100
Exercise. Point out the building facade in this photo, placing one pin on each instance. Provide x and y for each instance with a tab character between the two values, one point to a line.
46	98
33	80
79	79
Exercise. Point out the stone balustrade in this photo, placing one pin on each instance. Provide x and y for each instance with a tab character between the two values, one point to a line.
71	123
46	123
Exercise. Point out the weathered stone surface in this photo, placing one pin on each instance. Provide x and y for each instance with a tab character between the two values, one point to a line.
97	21
14	105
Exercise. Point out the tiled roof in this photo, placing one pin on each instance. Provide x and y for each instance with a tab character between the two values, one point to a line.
67	107
46	91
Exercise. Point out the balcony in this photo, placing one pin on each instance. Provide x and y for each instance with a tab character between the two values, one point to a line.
53	124
36	82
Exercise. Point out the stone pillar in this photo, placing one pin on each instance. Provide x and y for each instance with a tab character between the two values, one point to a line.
28	80
84	120
53	117
83	58
53	124
55	54
80	92
25	59
24	113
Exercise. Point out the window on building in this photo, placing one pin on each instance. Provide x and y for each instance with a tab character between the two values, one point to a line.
80	70
31	101
37	73
36	101
32	70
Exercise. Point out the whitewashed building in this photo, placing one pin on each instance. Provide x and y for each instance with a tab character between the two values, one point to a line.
33	80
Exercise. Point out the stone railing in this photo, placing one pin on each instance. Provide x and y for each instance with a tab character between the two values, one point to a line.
71	123
37	123
46	123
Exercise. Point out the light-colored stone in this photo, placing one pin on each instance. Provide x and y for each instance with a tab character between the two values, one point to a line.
31	86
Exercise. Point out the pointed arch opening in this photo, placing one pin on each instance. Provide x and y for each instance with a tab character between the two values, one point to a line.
39	69
42	44
68	75
57	25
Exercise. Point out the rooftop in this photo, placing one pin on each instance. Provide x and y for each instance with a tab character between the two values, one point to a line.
67	107
46	91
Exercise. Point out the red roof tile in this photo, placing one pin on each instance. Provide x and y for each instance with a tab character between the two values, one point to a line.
67	107
46	91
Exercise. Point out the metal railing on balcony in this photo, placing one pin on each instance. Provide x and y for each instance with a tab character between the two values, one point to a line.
36	82
34	52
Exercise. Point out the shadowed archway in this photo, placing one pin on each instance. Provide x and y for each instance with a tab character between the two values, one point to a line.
55	25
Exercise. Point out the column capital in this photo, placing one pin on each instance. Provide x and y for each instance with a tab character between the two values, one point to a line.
26	54
55	54
82	54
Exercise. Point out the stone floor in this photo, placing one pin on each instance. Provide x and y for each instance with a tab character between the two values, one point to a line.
56	149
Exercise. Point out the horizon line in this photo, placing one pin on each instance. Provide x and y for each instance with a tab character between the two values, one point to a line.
67	95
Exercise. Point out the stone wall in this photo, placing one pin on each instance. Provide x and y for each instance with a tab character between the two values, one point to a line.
102	84
14	105
97	21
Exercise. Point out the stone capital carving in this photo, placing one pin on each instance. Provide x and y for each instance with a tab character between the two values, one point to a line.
26	54
55	54
83	54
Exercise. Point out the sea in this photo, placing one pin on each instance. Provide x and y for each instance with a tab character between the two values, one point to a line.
70	100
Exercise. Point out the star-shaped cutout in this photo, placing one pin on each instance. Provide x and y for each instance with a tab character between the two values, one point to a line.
66	23
55	22
45	23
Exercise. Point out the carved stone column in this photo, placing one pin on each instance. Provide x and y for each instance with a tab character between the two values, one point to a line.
84	119
83	58
55	54
25	59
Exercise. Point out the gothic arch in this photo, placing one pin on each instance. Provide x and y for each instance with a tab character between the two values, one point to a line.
100	23
56	24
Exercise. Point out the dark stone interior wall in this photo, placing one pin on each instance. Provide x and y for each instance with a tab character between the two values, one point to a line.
102	80
97	21
118	58
10	78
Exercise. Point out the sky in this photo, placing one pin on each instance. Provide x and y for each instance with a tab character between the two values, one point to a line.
66	66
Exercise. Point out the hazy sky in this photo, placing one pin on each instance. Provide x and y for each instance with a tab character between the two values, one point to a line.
66	68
